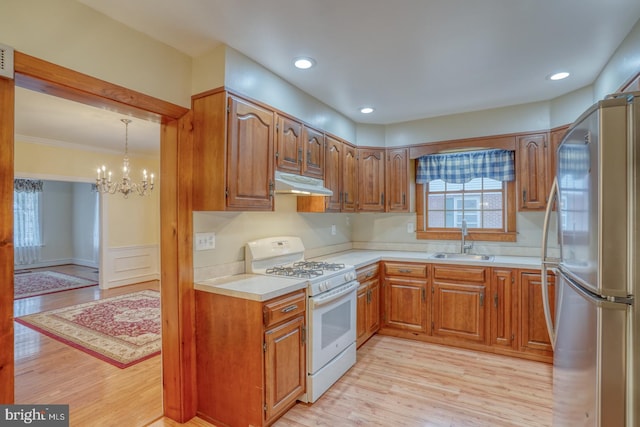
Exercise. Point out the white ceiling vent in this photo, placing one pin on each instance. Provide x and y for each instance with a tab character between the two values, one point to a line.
6	61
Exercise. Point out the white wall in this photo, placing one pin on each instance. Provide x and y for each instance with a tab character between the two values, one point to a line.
83	222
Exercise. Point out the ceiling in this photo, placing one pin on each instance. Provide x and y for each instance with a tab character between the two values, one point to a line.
409	59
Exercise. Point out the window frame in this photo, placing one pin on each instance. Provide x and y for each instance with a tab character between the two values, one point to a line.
509	234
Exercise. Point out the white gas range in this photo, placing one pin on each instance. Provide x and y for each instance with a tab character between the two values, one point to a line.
331	307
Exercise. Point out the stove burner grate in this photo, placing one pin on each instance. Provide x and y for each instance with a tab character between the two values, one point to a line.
295	271
319	265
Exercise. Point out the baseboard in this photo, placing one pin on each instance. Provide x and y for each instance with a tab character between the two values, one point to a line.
43	264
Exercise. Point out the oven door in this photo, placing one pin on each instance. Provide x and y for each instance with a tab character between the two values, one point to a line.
332	324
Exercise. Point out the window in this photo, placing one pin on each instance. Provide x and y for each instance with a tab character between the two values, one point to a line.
483	195
27	225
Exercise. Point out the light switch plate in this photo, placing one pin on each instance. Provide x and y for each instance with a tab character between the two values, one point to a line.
205	241
333	230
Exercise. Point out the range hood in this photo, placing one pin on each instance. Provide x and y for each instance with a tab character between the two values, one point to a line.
288	183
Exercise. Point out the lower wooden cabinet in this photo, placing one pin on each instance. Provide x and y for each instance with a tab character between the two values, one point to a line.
503	308
250	357
368	303
406	301
534	336
459	308
491	309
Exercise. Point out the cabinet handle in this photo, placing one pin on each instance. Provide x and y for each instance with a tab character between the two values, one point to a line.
424	294
300	155
404	199
482	299
271	187
290	308
404	270
309	157
369	274
382	199
524	196
368	296
495	300
345	197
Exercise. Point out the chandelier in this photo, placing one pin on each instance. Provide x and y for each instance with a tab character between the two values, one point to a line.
105	184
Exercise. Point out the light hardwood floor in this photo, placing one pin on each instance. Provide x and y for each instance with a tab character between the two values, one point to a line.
98	394
395	382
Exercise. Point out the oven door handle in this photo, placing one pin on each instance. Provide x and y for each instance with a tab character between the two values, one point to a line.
320	300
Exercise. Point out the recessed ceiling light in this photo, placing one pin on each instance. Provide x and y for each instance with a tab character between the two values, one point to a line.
366	110
304	63
559	76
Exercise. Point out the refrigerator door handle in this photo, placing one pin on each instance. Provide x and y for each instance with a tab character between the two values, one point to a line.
548	263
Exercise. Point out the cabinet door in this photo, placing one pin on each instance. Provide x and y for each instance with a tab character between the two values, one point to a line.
333	173
459	311
313	153
555	138
250	156
406	304
531	179
289	145
373	306
361	313
534	336
371	180
504	307
350	179
285	366
397	180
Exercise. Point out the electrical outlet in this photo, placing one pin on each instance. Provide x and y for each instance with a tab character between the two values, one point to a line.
333	230
205	241
411	227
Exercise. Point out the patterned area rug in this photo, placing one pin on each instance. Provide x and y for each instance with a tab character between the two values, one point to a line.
122	330
46	282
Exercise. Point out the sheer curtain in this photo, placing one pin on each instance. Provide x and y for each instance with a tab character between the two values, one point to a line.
27	235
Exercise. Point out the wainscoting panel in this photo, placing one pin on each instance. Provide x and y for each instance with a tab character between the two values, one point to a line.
128	265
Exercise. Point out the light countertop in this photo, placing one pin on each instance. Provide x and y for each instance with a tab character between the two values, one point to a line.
255	287
262	288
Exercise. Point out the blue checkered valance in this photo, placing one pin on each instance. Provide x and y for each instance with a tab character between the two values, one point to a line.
459	168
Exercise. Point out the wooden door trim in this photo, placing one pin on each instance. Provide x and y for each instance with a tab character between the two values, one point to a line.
178	345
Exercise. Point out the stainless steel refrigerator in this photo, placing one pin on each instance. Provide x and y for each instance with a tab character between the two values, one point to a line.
595	325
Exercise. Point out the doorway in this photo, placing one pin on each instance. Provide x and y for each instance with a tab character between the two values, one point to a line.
178	343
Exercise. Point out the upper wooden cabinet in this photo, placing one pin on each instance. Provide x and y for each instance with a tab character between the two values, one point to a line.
299	148
233	150
313	153
531	178
288	145
397	180
350	178
371	186
333	172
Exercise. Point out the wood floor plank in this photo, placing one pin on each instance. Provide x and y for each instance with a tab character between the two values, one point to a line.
396	382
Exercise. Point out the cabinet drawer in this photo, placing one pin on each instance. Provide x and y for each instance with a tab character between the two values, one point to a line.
368	272
407	270
280	309
460	273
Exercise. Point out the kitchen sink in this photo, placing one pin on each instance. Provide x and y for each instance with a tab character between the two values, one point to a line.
455	256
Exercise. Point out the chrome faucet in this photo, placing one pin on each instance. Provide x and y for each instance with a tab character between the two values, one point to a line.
464	247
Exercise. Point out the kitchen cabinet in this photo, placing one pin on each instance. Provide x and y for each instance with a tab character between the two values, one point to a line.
406	299
368	303
333	172
350	178
504	308
531	157
397	180
299	148
459	309
371	184
534	337
313	153
289	145
233	151
250	357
